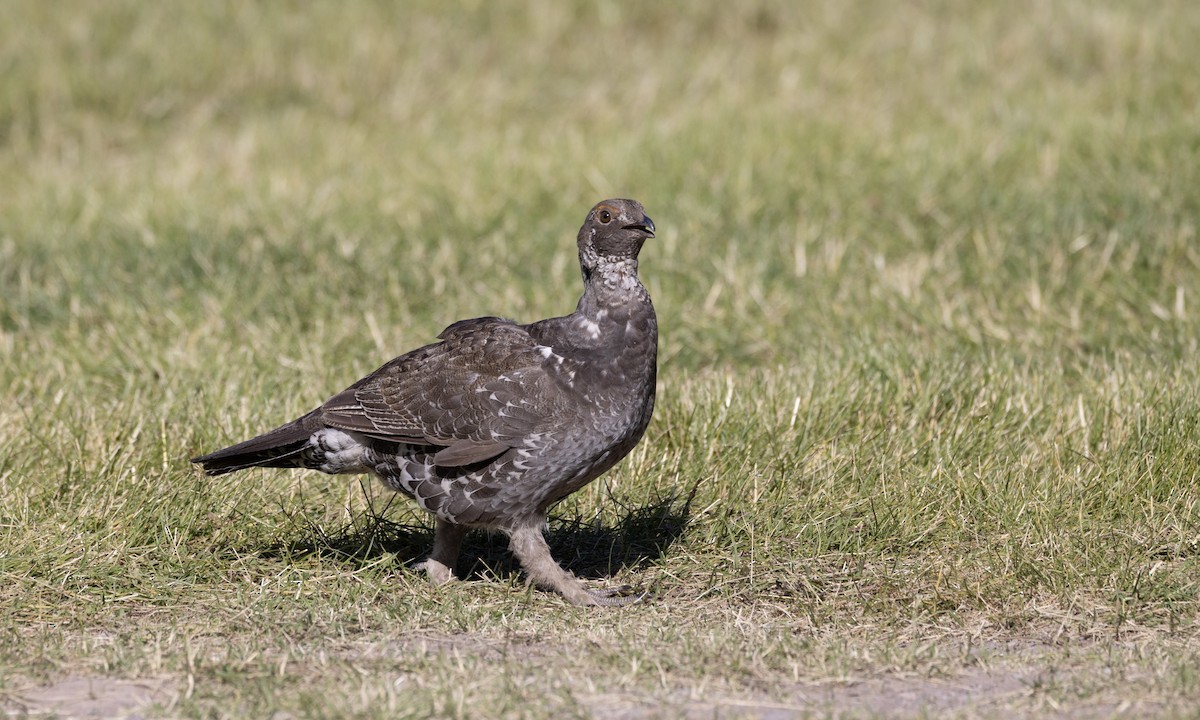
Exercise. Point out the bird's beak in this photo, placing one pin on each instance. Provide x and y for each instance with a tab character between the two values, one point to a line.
646	226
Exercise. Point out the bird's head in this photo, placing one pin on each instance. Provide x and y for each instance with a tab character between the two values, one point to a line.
614	231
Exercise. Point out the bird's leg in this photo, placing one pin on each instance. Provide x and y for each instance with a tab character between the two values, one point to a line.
531	549
447	542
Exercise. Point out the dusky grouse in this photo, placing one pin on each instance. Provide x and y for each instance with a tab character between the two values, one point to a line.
492	425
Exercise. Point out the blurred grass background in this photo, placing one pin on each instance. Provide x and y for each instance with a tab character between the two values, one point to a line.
927	278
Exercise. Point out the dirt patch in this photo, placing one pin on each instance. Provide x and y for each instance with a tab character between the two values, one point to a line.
92	697
1000	694
973	692
994	680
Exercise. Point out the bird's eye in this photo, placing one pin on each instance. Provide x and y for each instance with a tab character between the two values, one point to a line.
605	216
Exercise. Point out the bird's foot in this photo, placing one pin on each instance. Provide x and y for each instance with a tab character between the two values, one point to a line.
530	548
617	597
447	540
438	573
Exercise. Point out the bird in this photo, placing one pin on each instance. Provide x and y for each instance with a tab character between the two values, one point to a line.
497	421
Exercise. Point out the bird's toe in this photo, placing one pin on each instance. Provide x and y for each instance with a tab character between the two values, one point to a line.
438	573
617	597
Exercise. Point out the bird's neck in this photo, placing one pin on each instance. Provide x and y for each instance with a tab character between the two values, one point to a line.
612	287
614	318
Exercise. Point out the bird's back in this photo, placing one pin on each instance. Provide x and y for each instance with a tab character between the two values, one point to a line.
486	426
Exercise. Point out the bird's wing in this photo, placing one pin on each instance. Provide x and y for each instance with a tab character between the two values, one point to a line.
479	392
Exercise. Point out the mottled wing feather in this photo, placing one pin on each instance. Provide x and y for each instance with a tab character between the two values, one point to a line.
478	393
468	452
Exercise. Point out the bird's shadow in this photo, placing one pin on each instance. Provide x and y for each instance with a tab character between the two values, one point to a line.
591	549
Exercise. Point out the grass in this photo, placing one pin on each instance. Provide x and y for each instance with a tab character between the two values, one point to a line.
927	277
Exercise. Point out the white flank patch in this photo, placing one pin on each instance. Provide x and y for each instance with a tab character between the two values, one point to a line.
343	452
334	440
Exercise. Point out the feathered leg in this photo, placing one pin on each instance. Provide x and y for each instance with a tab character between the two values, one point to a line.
447	543
530	547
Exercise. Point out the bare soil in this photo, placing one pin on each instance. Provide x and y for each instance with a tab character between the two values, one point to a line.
92	697
1022	682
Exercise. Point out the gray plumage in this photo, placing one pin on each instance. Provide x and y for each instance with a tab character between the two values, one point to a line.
496	422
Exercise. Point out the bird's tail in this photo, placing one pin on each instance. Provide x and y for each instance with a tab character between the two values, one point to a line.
282	447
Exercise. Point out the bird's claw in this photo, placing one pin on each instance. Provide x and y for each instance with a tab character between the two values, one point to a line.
437	573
